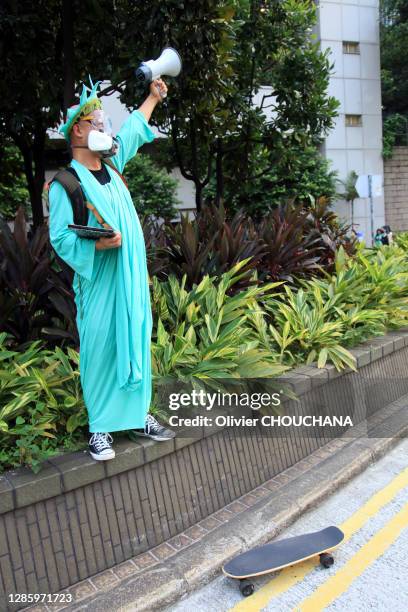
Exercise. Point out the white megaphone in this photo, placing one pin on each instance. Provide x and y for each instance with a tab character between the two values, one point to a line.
169	63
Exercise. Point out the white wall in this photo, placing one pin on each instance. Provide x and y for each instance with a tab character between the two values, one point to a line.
356	84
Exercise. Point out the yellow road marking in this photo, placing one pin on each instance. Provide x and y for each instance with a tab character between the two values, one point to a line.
342	579
291	576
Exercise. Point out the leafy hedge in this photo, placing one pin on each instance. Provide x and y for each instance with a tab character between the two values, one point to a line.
152	188
41	404
13	184
212	332
299	172
294	241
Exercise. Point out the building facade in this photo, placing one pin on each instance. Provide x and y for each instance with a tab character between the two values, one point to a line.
350	29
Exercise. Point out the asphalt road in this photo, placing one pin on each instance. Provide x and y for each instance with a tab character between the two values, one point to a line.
371	566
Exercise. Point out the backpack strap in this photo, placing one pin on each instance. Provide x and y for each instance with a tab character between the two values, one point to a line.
74	191
97	215
111	165
68	179
79	204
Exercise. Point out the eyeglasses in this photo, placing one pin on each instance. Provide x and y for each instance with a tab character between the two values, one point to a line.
99	121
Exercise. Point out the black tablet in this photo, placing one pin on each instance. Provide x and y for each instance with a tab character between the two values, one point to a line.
93	233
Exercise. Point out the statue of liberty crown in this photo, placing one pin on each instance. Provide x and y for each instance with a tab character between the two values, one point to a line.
87	103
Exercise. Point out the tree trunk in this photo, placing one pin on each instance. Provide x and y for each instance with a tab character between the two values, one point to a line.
39	175
34	169
37	206
219	173
194	165
198	195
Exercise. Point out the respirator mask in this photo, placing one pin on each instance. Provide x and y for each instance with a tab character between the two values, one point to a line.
100	137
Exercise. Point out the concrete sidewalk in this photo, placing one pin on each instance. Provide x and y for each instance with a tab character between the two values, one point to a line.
249	521
369	565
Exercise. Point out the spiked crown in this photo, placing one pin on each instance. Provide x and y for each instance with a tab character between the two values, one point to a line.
87	103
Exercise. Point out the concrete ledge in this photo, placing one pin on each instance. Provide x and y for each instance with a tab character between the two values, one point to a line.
363	356
297	381
28	488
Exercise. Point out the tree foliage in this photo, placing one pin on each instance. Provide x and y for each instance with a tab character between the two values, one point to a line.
230	49
153	190
394	66
45	47
13	185
302	173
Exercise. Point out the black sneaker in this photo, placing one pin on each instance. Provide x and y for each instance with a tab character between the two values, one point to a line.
153	430
100	446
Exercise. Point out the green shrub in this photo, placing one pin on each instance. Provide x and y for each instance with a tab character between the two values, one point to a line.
394	127
41	405
299	174
205	333
153	190
210	333
303	331
400	239
13	184
365	296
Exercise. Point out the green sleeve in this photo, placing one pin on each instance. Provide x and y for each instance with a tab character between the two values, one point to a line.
77	252
134	133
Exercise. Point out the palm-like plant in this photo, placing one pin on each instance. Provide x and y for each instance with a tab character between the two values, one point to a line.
206	333
211	244
350	192
38	376
36	296
23	277
303	331
333	234
41	402
291	250
155	242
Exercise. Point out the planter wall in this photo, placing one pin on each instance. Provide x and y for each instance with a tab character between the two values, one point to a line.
396	189
78	517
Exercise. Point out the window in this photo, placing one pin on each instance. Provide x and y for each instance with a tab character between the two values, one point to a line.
354	121
352	48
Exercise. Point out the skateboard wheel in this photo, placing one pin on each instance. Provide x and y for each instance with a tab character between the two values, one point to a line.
326	560
246	587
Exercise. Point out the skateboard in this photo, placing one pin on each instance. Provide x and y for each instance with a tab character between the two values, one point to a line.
277	555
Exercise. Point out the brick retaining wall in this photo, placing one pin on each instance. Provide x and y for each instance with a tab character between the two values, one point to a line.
396	189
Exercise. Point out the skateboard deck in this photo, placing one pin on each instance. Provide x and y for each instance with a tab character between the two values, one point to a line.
280	554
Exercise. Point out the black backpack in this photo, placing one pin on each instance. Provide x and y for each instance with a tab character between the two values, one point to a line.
80	206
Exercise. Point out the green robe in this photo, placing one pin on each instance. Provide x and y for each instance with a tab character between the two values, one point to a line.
111	288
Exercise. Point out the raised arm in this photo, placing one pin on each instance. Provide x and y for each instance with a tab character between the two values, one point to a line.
157	89
136	130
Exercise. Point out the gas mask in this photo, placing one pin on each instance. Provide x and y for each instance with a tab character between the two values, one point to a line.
103	143
100	137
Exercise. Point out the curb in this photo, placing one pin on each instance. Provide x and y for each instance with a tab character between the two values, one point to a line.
162	585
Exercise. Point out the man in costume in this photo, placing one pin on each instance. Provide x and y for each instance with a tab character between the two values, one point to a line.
110	281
